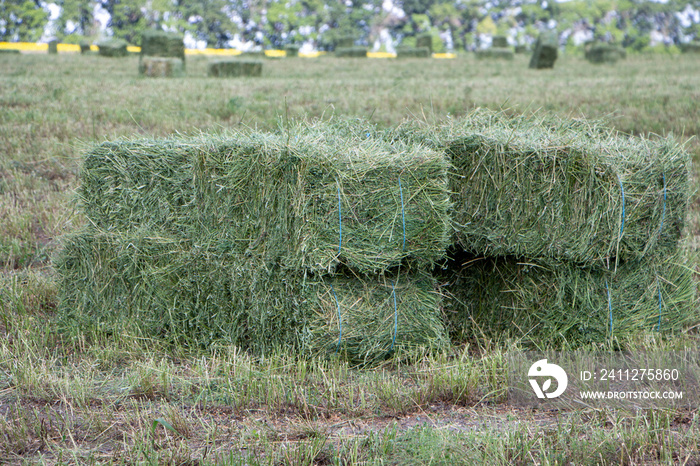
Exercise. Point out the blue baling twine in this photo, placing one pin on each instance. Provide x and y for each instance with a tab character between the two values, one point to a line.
340	223
609	306
622	190
658	326
403	216
340	319
663	214
396	317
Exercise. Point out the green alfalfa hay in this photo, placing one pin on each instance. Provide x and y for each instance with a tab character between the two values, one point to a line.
200	295
546	51
367	320
552	304
160	67
313	198
543	187
234	68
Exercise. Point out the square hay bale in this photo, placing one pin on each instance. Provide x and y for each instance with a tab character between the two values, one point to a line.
10	51
561	304
112	48
312	199
292	50
413	52
604	53
84	46
155	43
496	53
53	47
424	41
691	47
499	42
199	294
546	50
234	68
161	67
521	48
543	187
351	52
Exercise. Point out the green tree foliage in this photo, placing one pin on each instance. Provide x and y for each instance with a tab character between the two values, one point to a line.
76	18
22	20
207	20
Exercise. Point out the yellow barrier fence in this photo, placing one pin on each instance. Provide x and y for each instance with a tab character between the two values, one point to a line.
31	47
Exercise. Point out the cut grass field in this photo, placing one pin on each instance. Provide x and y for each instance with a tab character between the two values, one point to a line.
82	398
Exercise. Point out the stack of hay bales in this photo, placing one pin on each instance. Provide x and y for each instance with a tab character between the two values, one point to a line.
162	54
112	48
499	49
315	240
546	51
564	231
232	68
603	52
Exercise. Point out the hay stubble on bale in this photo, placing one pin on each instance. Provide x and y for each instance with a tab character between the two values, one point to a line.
234	67
160	67
546	51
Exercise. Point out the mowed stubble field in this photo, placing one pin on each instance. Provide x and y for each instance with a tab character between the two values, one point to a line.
129	399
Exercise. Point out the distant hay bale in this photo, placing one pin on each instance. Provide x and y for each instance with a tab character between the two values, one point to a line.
84	46
112	48
155	43
346	41
10	51
521	48
292	50
546	50
691	47
424	41
232	68
495	53
562	304
351	52
604	53
160	67
570	190
499	42
253	54
53	47
412	52
315	200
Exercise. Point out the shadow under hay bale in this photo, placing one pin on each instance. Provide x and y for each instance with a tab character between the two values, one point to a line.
604	53
412	52
562	189
562	305
351	52
233	68
53	47
160	67
495	53
112	48
546	51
